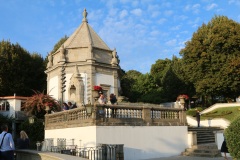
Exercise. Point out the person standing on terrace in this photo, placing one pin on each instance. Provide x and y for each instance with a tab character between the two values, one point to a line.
102	99
198	117
65	106
113	98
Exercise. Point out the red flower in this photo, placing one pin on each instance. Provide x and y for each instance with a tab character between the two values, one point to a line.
183	96
97	88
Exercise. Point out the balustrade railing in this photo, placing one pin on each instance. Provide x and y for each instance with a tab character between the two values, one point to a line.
117	115
122	111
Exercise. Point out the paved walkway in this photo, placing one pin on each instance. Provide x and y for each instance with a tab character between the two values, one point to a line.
190	158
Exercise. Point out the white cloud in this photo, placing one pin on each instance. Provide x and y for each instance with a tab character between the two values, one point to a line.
109	4
135	3
168	13
92	15
166	4
195	22
63	2
154	33
187	7
137	12
237	2
180	17
171	42
155	14
153	7
211	6
195	8
123	14
125	1
161	20
52	3
174	28
113	12
195	26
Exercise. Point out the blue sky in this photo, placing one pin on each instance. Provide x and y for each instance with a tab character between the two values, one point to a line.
142	31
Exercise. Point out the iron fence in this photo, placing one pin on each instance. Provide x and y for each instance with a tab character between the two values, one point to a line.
101	152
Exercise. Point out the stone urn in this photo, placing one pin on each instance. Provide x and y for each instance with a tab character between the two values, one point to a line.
95	94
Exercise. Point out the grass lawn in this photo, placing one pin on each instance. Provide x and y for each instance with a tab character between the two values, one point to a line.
229	113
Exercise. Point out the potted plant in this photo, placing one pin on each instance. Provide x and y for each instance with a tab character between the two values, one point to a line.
39	104
96	91
182	98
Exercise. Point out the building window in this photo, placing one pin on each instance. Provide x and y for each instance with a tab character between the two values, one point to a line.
4	105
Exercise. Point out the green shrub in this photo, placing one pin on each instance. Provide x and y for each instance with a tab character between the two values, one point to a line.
233	138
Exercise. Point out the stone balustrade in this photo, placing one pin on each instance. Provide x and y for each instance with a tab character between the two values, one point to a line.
112	115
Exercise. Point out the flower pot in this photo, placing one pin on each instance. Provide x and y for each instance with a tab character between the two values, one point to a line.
95	94
182	100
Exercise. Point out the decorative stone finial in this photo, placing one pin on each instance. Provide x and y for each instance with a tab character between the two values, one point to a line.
50	61
84	15
115	57
62	53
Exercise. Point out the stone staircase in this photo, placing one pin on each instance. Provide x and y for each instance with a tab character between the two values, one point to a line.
204	134
203	150
206	146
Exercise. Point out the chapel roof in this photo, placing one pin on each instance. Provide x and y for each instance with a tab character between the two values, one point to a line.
85	36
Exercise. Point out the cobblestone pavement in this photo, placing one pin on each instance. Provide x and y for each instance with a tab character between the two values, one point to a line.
190	158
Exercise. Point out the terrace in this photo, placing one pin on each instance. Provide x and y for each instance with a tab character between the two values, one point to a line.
124	114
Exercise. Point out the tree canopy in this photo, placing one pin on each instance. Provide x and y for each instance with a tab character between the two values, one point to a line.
20	71
211	58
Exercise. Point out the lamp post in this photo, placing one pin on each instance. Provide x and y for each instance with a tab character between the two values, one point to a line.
31	119
38	146
89	109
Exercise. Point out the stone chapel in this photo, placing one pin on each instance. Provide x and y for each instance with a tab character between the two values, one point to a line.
83	61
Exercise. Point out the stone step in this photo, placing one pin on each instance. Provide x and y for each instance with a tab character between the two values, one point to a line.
206	150
200	136
206	141
213	151
204	134
205	146
205	155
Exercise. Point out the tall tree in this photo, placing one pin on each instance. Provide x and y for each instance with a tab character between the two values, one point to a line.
20	72
211	58
159	69
128	85
170	80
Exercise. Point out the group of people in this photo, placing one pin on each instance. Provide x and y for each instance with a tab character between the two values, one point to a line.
103	100
7	145
67	106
